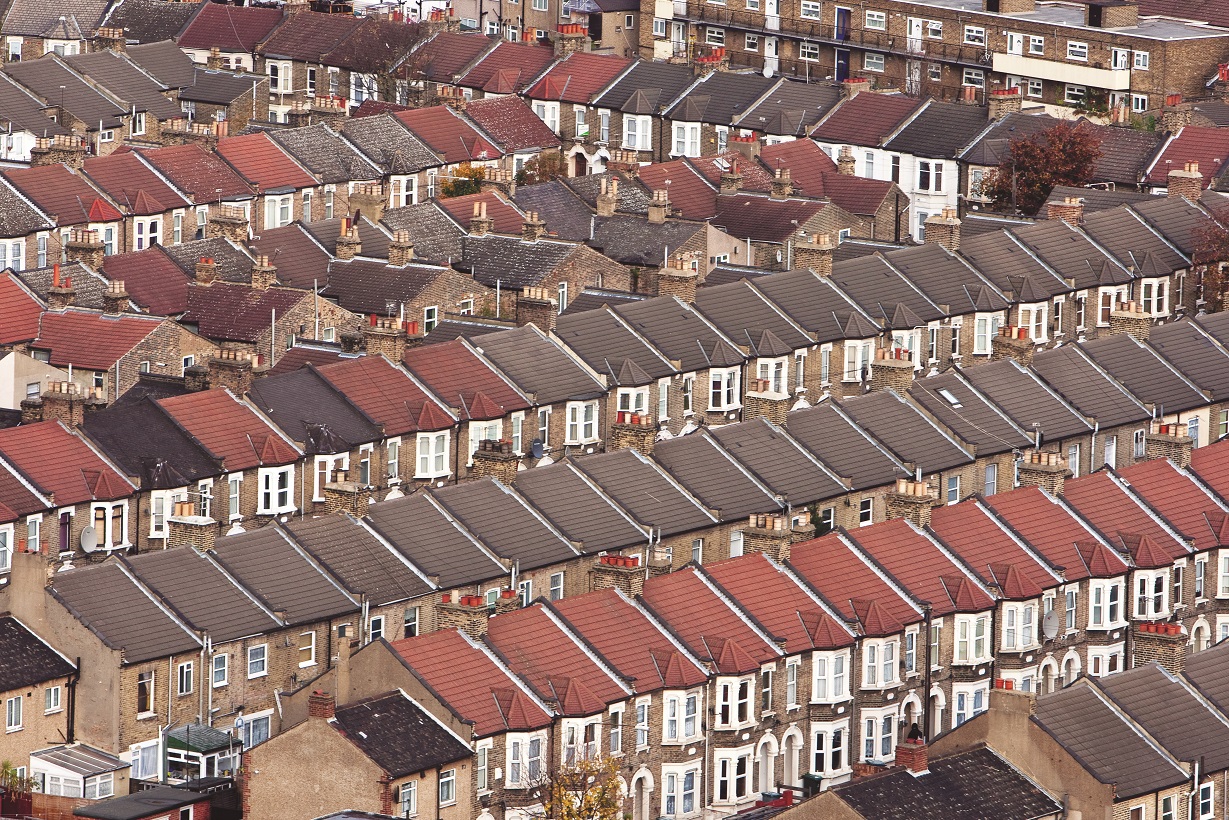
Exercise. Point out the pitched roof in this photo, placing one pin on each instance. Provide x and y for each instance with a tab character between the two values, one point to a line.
448	134
791	109
1212	466
200	173
714	476
946	279
633	240
511	123
855	585
148	444
91	340
1195	354
864	119
49	74
1144	373
508	526
881	291
764	219
1069	544
817	304
375	46
539	365
605	343
301	260
150	22
578	77
28	659
968	414
642	488
1209	147
1206	672
459	375
31	18
20	311
308	36
425	534
362	562
447	53
579	509
1186	506
215	87
234	312
133	184
843	446
1088	388
657	83
23	111
312	411
786	467
1017	392
514	263
263	163
721	98
125	81
387	142
399	735
635	645
471	683
506	217
508	68
62	194
230	429
679	331
386	394
989	548
922	568
553	661
325	154
940	130
909	435
230	28
743	313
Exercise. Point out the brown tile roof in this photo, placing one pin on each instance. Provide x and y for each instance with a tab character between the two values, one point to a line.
472	684
91	340
760	218
226	311
19	311
459	375
690	193
230	28
506	216
511	123
448	134
152	280
1207	146
132	184
376	46
308	36
200	173
387	394
230	429
865	119
63	194
508	68
57	461
263	163
577	78
300	260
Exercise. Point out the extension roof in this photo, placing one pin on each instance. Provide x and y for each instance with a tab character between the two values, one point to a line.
91	340
399	735
20	311
230	28
28	659
230	429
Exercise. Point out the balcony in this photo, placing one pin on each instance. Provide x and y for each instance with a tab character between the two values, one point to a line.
1063	72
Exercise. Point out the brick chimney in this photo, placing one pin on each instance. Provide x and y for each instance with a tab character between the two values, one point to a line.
1186	181
911	500
770	534
1160	643
368	198
845	163
659	207
1177	116
1129	317
401	249
264	275
187	529
344	495
731	179
1045	470
348	243
1013	343
480	224
85	247
533	228
633	431
233	369
853	86
608	199
115	298
61	294
229	222
110	38
196	378
618	572
911	754
385	335
206	271
782	186
1070	210
63	401
677	279
892	369
321	705
1170	441
468	613
943	229
214	60
815	252
761	401
495	459
539	306
1004	101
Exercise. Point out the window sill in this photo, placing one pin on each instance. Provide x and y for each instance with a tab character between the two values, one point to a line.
306	664
221	685
146	715
259	676
8	730
53	711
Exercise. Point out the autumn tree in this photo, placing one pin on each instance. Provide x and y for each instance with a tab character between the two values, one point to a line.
1210	257
1064	154
543	168
465	180
588	789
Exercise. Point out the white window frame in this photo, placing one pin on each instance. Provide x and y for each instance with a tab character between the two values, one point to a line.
582	423
830	676
432	455
1077	50
974	36
257	661
873	61
275	499
725	393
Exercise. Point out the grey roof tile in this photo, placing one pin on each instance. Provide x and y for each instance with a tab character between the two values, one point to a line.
815	303
538	365
46	76
791	109
1195	355
325	154
305	405
437	236
678	331
1206	672
940	130
968	414
565	214
430	538
216	87
1144	373
119	75
844	447
389	144
714	476
1129	239
644	490
878	288
663	80
23	111
505	523
512	262
150	21
1071	255
1089	390
578	508
604	342
1020	394
28	659
908	434
787	467
360	561
398	735
161	58
633	240
720	98
742	313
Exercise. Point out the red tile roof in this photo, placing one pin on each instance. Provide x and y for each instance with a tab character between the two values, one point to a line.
754	176
865	119
198	172
307	36
844	575
554	663
262	162
90	340
1182	502
807	164
688	190
63	194
235	312
57	461
297	356
708	622
983	543
857	195
1118	516
1207	146
1055	533
511	123
230	28
471	683
636	646
448	53
922	568
230	430
19	311
132	184
577	78
511	66
387	394
506	216
464	380
448	134
776	600
1210	463
152	280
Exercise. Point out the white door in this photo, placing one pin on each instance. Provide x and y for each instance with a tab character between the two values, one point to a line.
915	35
770	54
1015	43
772	11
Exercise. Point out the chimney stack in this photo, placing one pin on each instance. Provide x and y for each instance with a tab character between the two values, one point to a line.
731	179
911	753
321	705
608	199
115	298
853	86
348	243
1186	181
1070	210
85	247
187	529
845	163
231	368
61	294
401	249
1171	441
943	229
815	252
537	306
911	500
1129	317
206	271
264	275
782	186
533	228
1045	470
480	224
659	207
892	370
1004	101
678	279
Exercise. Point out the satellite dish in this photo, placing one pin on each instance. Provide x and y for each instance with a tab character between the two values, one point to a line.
89	539
1049	625
535	448
767	71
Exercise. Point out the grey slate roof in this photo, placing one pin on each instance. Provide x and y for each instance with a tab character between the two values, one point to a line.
28	659
505	523
1096	199
677	330
368	285
150	21
1105	743
633	240
1216	325
879	289
363	563
325	154
714	476
743	314
604	342
123	615
45	76
511	261
372	235
787	467
946	279
659	83
267	564
538	365
1129	239
88	286
303	402
1007	263
632	197
968	414
1026	399
1175	218
428	537
909	435
578	509
1089	390
1206	672
436	235
643	489
233	263
201	593
818	305
566	215
120	76
791	109
845	448
145	442
964	786
940	130
162	58
1144	373
24	112
33	18
389	144
398	735
216	87
720	98
1071	255
1195	355
594	298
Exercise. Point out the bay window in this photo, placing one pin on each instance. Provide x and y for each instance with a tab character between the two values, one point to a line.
637	132
733	702
1150	594
432	455
857	360
829	759
971	644
878	735
275	490
581	422
679	794
830	682
879	662
1105	604
686	139
724	392
733	776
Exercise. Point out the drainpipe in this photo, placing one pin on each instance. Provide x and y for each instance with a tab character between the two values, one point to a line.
71	717
926	683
